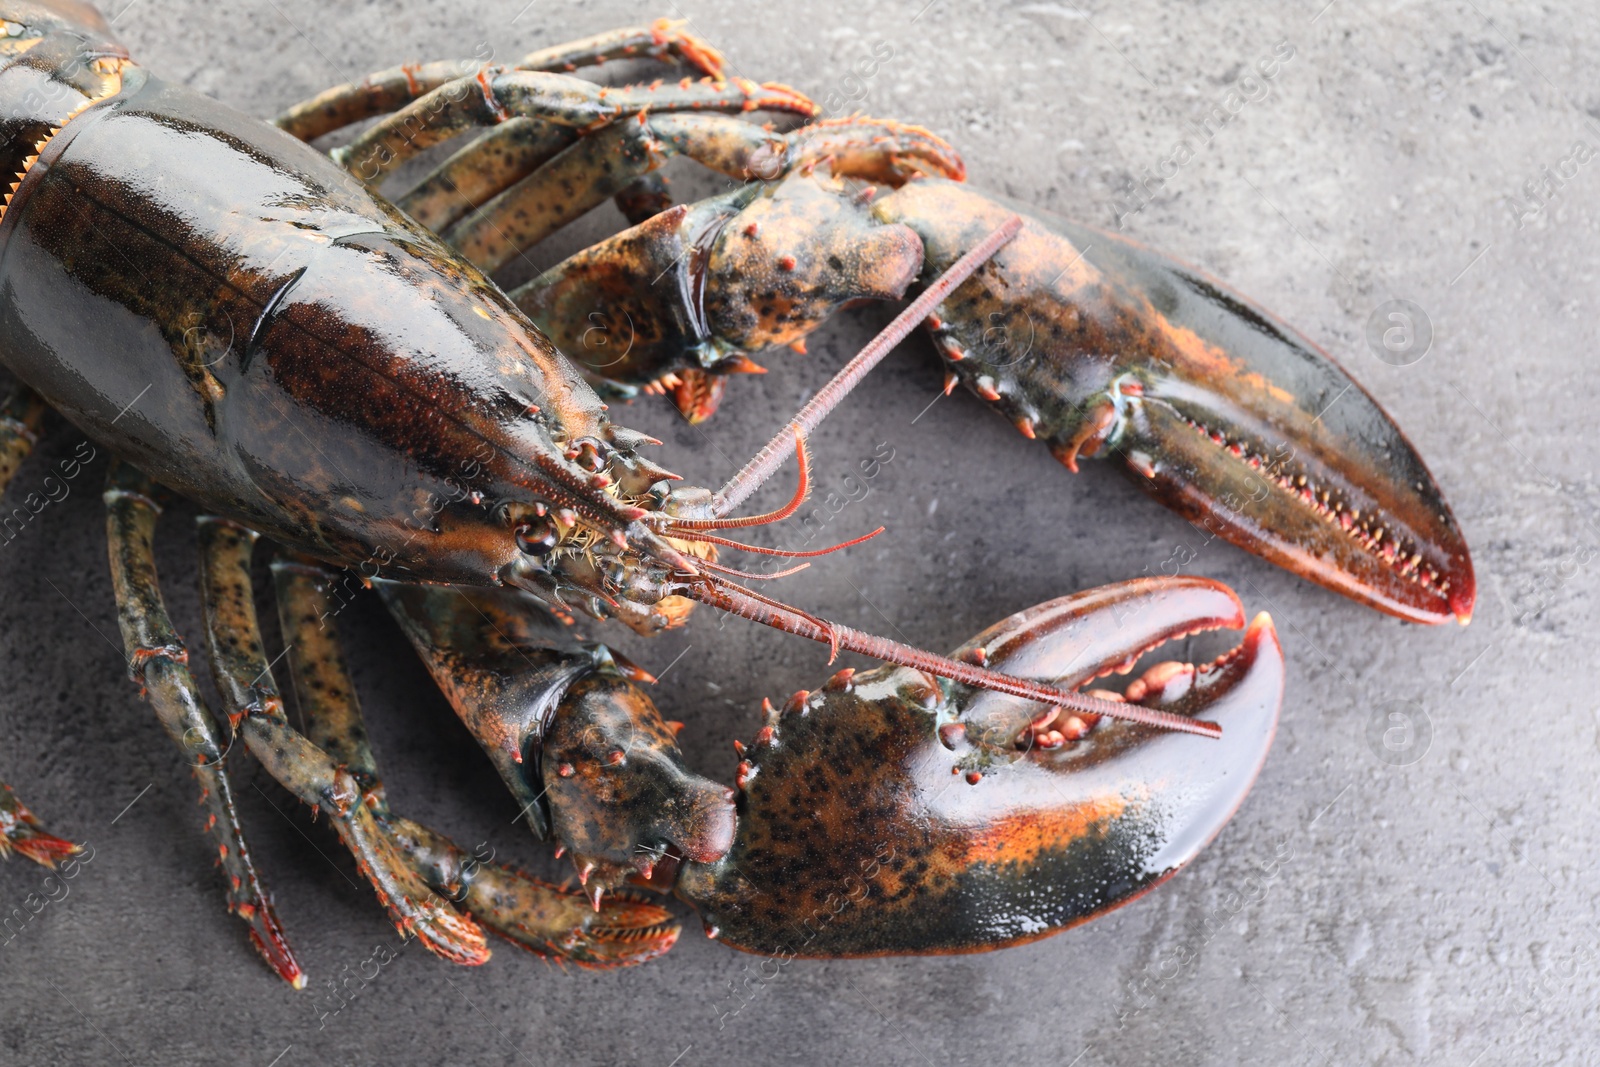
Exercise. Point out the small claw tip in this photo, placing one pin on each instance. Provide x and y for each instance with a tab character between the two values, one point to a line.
1261	626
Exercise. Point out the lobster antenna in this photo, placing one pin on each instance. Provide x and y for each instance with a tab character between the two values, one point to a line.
801	491
792	620
771	456
735	572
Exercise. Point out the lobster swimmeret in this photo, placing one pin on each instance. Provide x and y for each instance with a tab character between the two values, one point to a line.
244	321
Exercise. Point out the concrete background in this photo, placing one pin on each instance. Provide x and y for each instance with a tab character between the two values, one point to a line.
1442	911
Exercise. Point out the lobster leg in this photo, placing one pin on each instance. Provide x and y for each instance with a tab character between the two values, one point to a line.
492	98
601	165
323	687
535	915
239	664
21	413
544	919
387	90
158	662
486	165
21	832
584	175
495	162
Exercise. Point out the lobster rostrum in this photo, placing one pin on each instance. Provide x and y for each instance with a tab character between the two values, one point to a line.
245	322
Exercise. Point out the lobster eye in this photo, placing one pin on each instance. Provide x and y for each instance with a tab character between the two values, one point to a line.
538	537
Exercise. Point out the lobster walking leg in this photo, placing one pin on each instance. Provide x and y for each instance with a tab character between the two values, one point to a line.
488	164
323	687
21	413
544	919
601	165
494	163
539	917
389	89
495	97
20	831
244	677
579	178
159	664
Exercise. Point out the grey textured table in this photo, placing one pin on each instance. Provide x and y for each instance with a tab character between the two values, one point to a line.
1432	909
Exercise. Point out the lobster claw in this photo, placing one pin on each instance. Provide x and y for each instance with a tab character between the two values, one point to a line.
893	812
1258	436
1220	410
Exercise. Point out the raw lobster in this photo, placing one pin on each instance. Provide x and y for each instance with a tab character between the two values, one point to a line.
240	320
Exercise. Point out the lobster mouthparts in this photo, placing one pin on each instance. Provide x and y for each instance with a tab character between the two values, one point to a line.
895	812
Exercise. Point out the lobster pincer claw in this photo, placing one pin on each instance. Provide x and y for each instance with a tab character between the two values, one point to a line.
893	812
1097	345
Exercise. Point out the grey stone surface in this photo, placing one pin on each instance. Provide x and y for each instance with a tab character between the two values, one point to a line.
1435	912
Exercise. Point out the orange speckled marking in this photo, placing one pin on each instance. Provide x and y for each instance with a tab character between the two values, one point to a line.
1023	837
